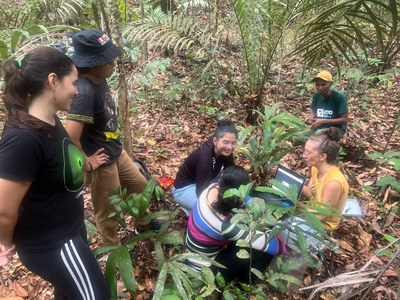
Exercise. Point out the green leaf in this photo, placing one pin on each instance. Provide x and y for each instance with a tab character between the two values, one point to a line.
175	238
126	270
3	50
291	279
110	275
162	277
256	205
167	223
389	238
103	249
228	295
120	258
244	254
91	229
257	273
242	243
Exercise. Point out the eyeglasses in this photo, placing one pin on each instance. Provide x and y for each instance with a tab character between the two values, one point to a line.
226	143
309	153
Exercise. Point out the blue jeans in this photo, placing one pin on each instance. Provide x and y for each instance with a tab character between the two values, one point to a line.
186	196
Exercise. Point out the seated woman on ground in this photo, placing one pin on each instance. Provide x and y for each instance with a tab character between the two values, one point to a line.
327	184
203	165
210	231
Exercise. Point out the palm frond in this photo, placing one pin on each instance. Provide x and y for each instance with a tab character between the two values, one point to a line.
348	26
193	4
180	34
263	25
15	41
12	18
64	9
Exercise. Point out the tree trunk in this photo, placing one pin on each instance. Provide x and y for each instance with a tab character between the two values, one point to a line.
114	25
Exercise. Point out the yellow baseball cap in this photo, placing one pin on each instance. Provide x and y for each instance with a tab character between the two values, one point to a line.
324	75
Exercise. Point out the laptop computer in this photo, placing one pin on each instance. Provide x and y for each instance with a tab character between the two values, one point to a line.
287	177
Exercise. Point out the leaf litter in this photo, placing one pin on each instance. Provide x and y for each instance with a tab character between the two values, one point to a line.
164	136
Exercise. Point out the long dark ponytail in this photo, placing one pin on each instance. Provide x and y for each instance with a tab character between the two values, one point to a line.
26	78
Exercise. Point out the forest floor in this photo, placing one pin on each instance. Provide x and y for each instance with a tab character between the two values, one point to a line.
164	134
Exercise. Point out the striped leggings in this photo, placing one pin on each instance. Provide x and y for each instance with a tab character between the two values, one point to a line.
72	269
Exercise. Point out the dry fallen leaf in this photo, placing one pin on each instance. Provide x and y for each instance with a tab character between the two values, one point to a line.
327	296
307	281
19	290
350	267
365	237
360	182
390	273
389	220
344	245
149	284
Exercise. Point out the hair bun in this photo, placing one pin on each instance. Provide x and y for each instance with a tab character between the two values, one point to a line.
333	134
224	122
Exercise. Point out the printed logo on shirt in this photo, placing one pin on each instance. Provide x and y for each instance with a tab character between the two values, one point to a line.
324	113
73	166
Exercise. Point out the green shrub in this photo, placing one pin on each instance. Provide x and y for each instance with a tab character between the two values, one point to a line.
267	143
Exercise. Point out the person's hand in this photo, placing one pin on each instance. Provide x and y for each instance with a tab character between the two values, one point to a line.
5	254
310	120
97	159
317	123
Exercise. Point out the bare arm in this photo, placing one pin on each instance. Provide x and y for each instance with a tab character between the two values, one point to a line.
330	196
11	195
306	191
74	130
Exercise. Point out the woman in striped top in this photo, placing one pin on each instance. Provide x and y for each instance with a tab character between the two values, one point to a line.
211	231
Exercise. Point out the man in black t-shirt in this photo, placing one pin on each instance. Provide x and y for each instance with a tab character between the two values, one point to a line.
92	125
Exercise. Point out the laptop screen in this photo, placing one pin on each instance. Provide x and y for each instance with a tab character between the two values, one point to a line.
287	177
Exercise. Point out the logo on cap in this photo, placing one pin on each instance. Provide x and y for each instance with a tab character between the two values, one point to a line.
103	39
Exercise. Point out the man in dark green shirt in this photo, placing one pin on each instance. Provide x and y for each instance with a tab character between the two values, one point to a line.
328	109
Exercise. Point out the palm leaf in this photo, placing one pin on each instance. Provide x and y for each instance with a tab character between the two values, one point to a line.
64	9
348	26
180	34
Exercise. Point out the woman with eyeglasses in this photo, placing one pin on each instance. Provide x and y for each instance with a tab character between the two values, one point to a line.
204	165
327	185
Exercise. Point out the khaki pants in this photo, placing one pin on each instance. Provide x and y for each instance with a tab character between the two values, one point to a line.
121	174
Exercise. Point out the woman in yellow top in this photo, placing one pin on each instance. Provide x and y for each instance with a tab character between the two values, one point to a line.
327	184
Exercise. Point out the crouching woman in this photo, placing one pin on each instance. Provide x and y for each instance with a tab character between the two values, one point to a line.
327	185
212	233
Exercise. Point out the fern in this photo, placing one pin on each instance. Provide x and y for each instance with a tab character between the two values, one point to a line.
64	9
193	4
158	31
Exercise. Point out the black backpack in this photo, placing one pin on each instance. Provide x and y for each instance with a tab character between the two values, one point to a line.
142	167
